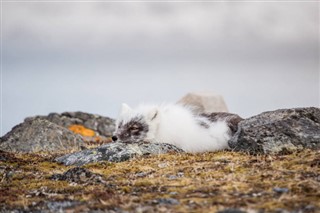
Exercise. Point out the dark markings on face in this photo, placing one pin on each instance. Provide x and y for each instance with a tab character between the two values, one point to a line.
231	119
132	131
120	125
203	124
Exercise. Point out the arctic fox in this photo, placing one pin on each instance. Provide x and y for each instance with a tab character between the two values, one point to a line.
175	124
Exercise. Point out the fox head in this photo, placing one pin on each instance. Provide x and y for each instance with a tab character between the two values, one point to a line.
134	125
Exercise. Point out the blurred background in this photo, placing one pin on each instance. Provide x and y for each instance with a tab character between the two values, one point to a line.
93	56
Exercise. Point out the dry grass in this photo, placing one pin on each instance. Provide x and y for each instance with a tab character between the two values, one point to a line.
171	183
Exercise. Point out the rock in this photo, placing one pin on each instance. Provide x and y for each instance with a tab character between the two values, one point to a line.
61	206
174	177
56	206
142	174
78	175
38	135
231	210
116	152
280	190
165	201
279	131
204	102
104	126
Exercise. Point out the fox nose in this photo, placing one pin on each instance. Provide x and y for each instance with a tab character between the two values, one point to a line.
114	138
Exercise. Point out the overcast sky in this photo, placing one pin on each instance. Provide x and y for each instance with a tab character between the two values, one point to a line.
94	56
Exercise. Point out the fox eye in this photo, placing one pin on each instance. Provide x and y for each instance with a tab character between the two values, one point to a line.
134	127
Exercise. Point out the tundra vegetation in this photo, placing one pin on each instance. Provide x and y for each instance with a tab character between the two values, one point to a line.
206	182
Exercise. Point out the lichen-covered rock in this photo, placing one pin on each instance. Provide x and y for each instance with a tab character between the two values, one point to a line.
279	131
38	135
116	152
49	206
104	126
79	175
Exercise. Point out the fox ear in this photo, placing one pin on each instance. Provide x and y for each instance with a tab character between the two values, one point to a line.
125	108
153	114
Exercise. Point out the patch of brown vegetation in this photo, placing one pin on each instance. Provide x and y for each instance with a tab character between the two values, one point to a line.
205	182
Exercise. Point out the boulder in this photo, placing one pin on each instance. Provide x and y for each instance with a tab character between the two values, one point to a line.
78	175
38	135
102	126
204	102
279	131
116	152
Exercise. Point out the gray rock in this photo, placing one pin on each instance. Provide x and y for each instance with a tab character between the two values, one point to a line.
104	126
280	190
61	206
49	206
172	177
165	201
78	175
143	174
231	210
279	131
204	102
38	135
116	152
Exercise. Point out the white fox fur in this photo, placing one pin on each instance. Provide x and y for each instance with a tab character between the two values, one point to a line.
174	124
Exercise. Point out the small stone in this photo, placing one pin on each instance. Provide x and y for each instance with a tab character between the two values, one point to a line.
180	174
141	174
280	190
231	210
279	210
163	165
173	193
172	177
166	201
61	206
309	208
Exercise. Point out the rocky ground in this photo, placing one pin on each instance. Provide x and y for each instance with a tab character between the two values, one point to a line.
63	163
207	182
